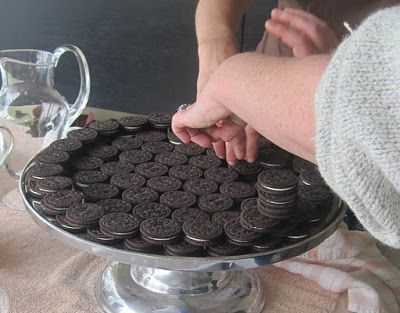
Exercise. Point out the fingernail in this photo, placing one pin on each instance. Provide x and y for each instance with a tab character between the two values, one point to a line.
251	159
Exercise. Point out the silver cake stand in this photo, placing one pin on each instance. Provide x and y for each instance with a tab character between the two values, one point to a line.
145	283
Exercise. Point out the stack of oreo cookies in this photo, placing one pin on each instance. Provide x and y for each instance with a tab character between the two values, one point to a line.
131	183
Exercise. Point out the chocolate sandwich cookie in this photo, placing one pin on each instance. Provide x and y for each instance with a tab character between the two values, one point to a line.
137	195
84	214
210	151
185	172
115	206
251	219
173	138
247	170
279	211
316	196
300	165
190	149
104	152
265	243
164	183
215	202
160	120
187	214
248	203
145	211
178	199
311	177
171	158
237	190
54	183
224	248
152	135
202	233
127	180
264	143
119	225
133	123
68	145
137	244
274	158
200	186
127	143
113	168
223	217
84	135
105	128
63	223
51	156
33	190
307	212
83	179
151	169
86	163
58	202
94	234
160	231
276	196
183	248
157	146
135	156
277	182
221	174
238	235
43	170
205	161
100	191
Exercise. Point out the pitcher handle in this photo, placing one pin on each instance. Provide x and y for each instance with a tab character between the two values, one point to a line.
6	143
76	109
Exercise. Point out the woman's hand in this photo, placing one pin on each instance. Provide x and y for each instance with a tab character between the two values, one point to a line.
305	33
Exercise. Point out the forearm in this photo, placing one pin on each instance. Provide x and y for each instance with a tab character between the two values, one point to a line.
273	95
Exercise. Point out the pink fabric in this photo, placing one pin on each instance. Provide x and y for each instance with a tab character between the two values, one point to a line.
349	261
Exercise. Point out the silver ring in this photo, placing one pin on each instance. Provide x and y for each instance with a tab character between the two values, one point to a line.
183	107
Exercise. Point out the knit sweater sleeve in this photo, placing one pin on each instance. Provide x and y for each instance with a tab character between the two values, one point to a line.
358	124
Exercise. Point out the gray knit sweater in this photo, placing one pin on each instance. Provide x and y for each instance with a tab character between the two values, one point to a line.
358	124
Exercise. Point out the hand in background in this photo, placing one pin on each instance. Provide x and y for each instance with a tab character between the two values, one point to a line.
305	33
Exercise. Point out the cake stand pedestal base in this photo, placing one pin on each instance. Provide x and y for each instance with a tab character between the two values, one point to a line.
137	289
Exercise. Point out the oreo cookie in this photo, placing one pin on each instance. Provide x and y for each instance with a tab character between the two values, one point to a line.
200	186
127	180
94	234
251	219
33	190
178	199
190	149
115	206
311	178
54	183
185	172
152	135
58	202
266	243
41	171
264	143
315	195
202	233
164	183
119	225
113	168
188	214
223	217
68	145
137	244
84	214
237	190
100	191
86	163
133	123
274	158
174	139
157	147
279	211
145	211
83	179
221	174
105	128
137	195
171	158
277	182
84	135
300	165
224	248
127	143
248	203
238	235
103	152
205	161
212	203
247	170
51	156
183	248
160	231
160	120
151	169
63	223
135	157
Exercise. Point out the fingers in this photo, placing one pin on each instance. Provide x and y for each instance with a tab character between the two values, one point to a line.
219	148
230	154
252	141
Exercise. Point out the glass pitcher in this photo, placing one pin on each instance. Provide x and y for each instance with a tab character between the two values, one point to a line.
35	112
